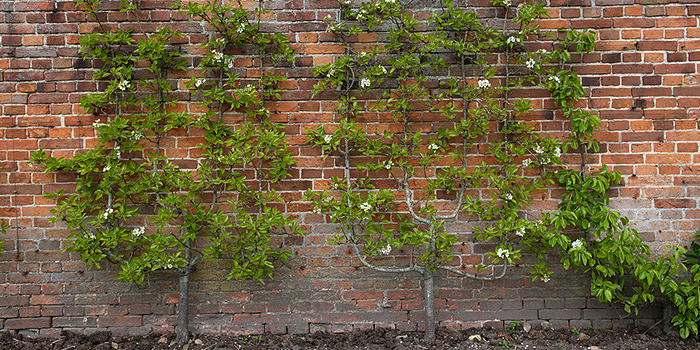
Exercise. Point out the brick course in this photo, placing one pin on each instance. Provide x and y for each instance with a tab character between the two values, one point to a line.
642	81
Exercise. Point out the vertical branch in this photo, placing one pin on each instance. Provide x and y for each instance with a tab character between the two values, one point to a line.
183	333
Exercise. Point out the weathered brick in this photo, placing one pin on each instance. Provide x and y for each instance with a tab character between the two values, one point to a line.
78	322
119	321
674	203
28	323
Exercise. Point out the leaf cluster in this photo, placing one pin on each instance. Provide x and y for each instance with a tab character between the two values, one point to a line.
138	206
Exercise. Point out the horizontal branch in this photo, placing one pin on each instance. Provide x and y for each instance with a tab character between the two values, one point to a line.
475	276
367	264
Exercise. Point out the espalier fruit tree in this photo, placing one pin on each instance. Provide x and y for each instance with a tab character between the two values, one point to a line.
137	202
437	138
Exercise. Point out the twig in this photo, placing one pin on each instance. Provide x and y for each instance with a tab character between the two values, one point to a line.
654	325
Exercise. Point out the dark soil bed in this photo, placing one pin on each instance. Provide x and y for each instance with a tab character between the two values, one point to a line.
536	338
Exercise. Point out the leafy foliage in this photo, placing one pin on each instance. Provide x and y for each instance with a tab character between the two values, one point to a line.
403	71
136	202
484	162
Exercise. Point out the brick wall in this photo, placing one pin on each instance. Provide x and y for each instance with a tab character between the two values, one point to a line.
643	80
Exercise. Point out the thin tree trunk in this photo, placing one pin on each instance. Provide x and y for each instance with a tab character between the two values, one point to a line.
183	333
429	305
183	305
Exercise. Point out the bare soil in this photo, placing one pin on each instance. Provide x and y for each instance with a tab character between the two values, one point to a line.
380	339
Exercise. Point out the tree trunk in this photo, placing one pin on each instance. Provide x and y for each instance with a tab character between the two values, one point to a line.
182	331
670	310
429	306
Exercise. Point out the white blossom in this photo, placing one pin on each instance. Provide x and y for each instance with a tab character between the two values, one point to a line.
530	63
230	63
542	51
557	152
317	211
527	162
333	28
169	266
363	54
388	164
328	138
107	212
502	253
483	83
385	250
545	278
123	85
512	40
218	56
577	244
91	235
366	206
96	124
390	1
555	78
198	83
219	42
538	149
365	83
138	231
508	197
240	29
507	3
520	232
384	70
433	147
327	18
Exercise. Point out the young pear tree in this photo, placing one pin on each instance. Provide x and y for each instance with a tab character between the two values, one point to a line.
429	133
139	205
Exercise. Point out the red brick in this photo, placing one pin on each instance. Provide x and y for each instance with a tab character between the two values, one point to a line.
23	76
51	299
613	12
16	28
119	321
674	203
592	23
657	45
28	323
677	158
80	322
674	68
634	10
633	22
676	22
